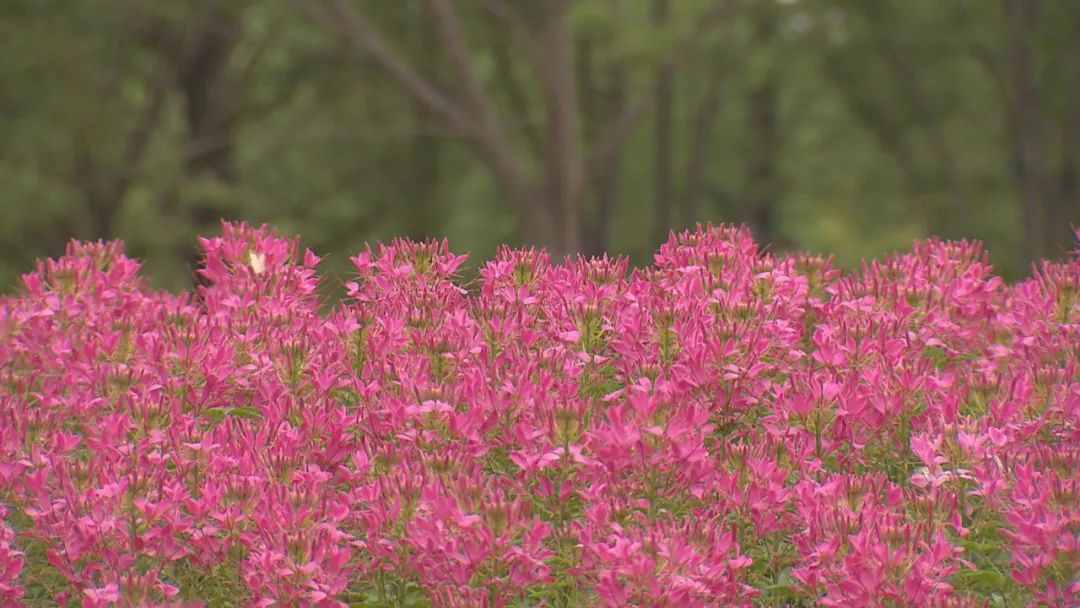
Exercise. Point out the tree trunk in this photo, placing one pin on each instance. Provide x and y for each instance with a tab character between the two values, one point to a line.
1022	119
103	190
101	199
762	180
544	229
564	167
201	66
663	187
598	102
1065	217
209	95
698	155
426	217
550	207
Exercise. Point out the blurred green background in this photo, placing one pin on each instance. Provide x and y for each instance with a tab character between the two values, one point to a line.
848	127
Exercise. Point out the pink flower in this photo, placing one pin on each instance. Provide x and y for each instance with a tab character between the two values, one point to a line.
101	596
723	427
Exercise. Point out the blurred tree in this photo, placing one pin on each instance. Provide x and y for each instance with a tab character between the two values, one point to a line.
74	138
763	129
195	54
550	201
663	147
893	69
581	125
1037	68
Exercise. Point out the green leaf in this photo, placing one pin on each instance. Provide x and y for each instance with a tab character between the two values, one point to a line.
217	414
975	546
246	412
983	578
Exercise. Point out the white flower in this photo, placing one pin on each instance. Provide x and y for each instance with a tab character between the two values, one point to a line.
258	262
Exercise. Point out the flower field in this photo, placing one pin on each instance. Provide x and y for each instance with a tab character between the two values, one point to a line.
724	428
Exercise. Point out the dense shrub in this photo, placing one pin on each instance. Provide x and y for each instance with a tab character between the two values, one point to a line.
724	428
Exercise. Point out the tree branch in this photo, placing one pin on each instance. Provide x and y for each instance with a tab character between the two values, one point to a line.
898	59
602	155
704	119
515	93
460	57
982	54
508	14
480	126
103	191
297	135
139	139
663	136
491	136
245	73
563	154
362	34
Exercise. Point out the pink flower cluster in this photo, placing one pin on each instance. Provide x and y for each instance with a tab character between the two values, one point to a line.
725	428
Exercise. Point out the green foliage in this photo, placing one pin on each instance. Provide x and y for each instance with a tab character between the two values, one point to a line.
891	126
218	414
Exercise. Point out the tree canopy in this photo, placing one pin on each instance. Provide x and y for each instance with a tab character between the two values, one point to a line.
584	126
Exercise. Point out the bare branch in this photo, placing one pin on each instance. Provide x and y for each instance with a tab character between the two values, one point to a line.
300	135
474	118
663	123
504	68
341	17
248	69
898	58
103	191
600	157
491	137
509	15
139	139
461	59
704	118
556	74
604	152
596	102
982	54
